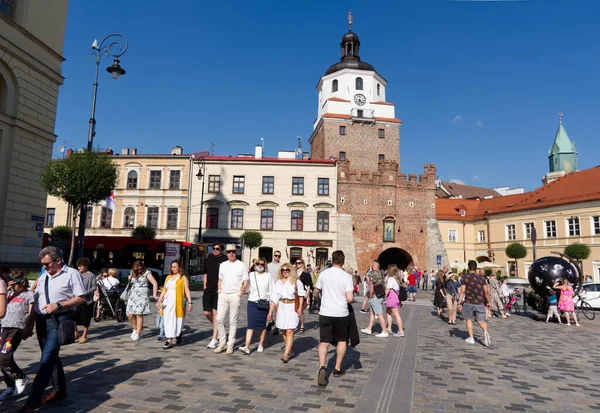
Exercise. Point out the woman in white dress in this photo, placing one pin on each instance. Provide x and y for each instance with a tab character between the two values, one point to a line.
285	291
176	288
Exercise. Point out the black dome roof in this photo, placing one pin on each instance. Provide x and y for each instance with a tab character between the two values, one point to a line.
349	64
350	55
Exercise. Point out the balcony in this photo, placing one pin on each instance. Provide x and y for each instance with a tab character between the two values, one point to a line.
362	115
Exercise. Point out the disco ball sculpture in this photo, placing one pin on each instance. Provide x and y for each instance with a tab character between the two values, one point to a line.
549	270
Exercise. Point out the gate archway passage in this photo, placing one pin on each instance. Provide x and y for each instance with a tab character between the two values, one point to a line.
395	256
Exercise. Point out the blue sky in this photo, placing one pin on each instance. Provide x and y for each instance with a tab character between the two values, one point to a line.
477	84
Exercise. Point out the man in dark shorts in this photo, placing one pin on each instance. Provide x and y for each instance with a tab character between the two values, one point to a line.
476	294
211	295
336	289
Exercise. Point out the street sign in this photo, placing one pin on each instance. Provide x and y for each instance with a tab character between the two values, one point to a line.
37	218
438	259
39	226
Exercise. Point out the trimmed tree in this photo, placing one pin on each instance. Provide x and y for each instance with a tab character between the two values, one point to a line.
252	240
578	252
81	178
516	251
143	232
61	233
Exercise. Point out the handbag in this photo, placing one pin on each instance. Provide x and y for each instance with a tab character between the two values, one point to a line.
379	291
261	304
125	294
66	328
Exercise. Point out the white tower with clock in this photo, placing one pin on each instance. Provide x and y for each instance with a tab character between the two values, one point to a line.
354	121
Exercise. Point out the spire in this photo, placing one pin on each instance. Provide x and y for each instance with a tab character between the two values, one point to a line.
562	143
350	20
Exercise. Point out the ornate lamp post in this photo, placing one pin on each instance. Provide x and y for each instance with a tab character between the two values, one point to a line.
200	175
114	45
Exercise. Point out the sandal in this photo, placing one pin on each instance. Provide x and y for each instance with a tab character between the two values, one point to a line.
168	346
285	359
301	330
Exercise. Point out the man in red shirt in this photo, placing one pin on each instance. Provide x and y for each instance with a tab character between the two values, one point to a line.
412	286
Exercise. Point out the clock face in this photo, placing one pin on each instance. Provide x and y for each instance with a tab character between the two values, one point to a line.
360	99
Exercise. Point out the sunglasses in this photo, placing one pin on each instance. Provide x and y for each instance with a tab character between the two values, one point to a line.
216	249
262	264
277	256
230	252
285	270
46	264
298	262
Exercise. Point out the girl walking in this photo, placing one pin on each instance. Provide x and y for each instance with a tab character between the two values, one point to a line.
565	302
138	304
260	291
392	301
177	287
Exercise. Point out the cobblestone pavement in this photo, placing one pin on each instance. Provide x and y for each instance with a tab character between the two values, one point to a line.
432	369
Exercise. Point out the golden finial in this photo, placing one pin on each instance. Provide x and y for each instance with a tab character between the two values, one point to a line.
350	19
560	116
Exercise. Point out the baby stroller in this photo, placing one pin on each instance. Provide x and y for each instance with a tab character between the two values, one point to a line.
512	302
109	303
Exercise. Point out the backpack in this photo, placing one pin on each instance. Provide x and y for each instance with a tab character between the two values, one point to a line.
402	294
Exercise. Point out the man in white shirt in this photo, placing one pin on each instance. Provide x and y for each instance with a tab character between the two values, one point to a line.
233	280
337	290
273	268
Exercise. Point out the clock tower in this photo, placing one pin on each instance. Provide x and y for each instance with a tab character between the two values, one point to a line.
354	121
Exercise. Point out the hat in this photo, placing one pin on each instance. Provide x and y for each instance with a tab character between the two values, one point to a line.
230	247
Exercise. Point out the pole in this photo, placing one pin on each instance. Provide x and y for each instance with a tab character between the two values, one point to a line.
203	169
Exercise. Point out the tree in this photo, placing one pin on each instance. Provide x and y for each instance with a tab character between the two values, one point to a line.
252	239
516	251
143	232
61	233
81	178
578	252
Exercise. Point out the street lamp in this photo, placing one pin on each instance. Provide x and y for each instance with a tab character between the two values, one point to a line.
114	45
200	175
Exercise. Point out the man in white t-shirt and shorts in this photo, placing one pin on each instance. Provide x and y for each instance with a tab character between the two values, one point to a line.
273	268
336	289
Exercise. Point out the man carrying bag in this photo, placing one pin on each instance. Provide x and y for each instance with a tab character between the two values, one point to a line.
61	291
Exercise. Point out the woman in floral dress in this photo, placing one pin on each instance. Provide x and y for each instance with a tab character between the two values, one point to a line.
138	304
565	302
497	306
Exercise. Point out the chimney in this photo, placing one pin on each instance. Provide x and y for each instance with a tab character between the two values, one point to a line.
133	151
177	150
258	151
125	151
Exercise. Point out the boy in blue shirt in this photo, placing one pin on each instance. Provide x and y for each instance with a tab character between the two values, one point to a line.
552	305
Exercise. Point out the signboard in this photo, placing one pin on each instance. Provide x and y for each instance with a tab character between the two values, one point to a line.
309	243
438	259
171	254
39	226
40	235
37	218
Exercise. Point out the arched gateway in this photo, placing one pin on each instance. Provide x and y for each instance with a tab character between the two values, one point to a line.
395	256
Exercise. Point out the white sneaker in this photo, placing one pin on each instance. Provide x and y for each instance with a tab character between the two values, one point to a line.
470	340
135	336
366	331
486	339
229	350
213	344
20	385
7	393
245	350
133	333
260	349
220	348
399	334
383	335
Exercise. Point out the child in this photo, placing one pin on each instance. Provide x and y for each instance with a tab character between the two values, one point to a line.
20	303
160	322
552	305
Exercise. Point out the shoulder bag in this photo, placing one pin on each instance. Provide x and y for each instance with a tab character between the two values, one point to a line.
296	298
125	294
66	328
261	304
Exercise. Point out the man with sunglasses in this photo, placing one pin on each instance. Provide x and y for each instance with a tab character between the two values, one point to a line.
273	268
210	298
233	280
60	289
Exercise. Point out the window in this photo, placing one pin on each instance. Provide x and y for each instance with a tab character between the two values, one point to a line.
334	86
550	229
596	225
89	215
574	227
50	214
381	133
297	186
214	183
480	236
152	220
359	113
106	217
237	218
266	219
7	7
297	219
129	218
342	130
528	229
452	235
212	218
172	214
155	178
511	232
268	185
322	221
132	177
378	89
342	156
174	179
381	157
239	184
323	186
358	83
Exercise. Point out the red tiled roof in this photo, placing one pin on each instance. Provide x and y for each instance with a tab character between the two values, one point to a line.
338	99
391	120
381	102
265	159
580	186
336	115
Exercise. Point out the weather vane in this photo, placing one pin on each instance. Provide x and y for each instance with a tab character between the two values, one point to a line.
560	115
350	19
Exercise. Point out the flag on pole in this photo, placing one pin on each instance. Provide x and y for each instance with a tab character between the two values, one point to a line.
110	201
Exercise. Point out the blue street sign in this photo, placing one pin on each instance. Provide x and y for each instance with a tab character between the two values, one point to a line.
438	259
37	218
39	226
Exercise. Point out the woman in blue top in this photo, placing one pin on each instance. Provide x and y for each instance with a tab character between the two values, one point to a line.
451	297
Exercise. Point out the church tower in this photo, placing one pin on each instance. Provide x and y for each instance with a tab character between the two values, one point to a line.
354	121
562	156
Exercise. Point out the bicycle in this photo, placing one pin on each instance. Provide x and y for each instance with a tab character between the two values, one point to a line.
586	308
